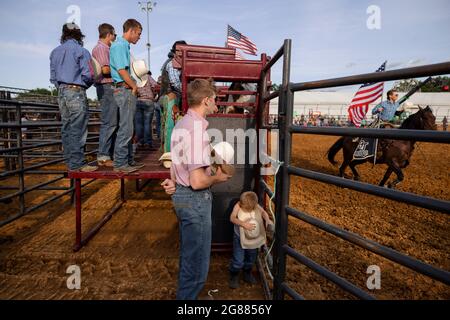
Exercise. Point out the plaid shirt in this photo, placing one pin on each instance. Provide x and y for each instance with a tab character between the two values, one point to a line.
146	92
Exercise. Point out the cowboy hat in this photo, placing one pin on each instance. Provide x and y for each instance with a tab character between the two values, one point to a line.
253	239
96	68
223	152
166	160
140	72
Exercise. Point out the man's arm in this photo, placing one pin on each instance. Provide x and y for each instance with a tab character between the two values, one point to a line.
174	76
198	179
53	70
127	78
86	74
377	108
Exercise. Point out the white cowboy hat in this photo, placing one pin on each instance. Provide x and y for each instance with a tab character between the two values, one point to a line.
166	160
139	72
96	68
253	239
223	152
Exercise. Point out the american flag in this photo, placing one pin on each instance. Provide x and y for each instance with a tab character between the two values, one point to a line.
238	56
367	94
237	40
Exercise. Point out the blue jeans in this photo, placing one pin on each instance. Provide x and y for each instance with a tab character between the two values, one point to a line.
73	107
242	258
123	149
108	118
158	119
193	210
143	121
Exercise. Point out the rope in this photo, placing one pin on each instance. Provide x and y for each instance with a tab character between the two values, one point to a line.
279	165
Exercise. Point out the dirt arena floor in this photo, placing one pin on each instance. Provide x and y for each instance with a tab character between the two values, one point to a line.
135	255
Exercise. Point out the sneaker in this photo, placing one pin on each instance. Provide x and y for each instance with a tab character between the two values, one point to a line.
126	169
105	163
86	168
136	164
249	278
234	280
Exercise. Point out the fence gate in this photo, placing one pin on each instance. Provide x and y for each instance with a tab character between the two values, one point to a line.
283	210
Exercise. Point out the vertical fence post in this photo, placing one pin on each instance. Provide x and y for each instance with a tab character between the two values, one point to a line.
282	186
20	159
262	92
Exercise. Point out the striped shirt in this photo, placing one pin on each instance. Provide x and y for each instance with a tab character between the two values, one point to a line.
101	54
146	92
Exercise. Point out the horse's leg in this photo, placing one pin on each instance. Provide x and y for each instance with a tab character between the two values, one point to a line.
399	174
342	168
386	176
352	166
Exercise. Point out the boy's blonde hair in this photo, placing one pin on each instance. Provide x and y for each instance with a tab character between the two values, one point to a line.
200	89
248	201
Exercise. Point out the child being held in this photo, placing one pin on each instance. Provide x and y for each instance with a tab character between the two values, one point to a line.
249	236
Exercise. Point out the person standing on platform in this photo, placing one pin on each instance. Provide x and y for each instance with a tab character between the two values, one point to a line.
125	94
105	94
71	74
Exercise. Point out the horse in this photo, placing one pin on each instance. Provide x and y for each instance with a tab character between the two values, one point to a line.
394	153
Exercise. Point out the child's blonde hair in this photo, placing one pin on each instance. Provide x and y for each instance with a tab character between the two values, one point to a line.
248	201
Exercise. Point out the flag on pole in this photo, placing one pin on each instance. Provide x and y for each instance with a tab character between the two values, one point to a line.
237	40
238	55
367	94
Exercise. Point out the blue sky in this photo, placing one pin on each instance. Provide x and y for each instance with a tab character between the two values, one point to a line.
330	38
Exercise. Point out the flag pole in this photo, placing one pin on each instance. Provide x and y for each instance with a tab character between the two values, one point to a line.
376	140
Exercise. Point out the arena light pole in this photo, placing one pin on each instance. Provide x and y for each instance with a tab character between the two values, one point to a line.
148	7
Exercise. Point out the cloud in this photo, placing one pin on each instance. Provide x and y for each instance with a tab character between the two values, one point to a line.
22	48
350	65
394	64
415	62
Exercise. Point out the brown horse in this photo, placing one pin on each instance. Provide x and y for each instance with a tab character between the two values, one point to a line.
394	153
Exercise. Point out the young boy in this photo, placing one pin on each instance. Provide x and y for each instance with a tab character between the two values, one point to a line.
249	236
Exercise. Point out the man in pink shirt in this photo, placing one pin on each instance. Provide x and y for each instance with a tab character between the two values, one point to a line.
190	188
105	95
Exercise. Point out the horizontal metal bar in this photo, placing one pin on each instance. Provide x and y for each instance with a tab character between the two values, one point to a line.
399	134
406	197
404	260
41	145
43	203
407	73
266	187
24	103
291	292
339	281
29	189
271	96
274	59
38	124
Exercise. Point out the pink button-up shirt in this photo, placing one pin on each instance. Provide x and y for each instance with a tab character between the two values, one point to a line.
101	54
190	146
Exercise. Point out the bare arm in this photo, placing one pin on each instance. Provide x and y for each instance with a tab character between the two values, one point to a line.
264	214
106	71
127	78
199	179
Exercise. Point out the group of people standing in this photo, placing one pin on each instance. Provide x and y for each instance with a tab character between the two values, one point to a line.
126	109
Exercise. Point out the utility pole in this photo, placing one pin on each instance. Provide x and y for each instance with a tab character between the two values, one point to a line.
148	7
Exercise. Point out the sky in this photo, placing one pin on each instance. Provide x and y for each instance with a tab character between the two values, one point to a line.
329	38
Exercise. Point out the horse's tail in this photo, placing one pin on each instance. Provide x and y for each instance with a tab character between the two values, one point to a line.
338	145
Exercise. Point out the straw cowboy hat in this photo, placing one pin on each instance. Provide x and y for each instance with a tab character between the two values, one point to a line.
139	72
96	68
253	239
166	160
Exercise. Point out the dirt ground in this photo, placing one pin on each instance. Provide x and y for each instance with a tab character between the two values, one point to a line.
419	233
135	255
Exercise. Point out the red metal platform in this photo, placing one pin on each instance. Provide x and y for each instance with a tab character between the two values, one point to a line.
152	170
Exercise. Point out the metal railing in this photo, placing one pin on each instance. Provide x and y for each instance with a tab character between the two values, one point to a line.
283	210
30	148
